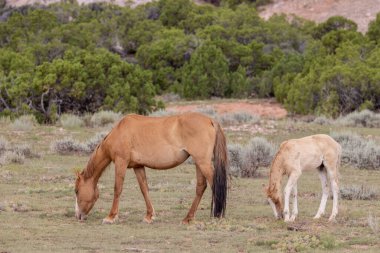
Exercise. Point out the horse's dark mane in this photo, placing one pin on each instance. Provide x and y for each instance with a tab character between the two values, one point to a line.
90	169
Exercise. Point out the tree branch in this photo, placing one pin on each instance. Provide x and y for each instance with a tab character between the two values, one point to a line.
42	100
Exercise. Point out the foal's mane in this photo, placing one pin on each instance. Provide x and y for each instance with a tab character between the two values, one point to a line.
274	177
90	169
275	159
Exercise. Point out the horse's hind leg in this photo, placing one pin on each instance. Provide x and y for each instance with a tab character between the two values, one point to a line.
335	191
325	192
120	169
331	163
141	178
200	189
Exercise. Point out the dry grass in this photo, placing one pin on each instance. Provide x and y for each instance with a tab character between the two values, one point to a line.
37	213
69	146
24	123
358	151
11	157
359	192
14	153
365	118
71	121
373	223
229	119
246	160
104	118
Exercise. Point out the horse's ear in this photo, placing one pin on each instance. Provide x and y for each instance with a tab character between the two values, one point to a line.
77	172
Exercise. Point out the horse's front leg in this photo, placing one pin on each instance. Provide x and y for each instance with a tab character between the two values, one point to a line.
295	203
292	181
120	169
141	178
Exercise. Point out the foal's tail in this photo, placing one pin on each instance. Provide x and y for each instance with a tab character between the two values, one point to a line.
219	186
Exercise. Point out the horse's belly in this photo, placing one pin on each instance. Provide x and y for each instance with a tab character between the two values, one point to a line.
311	161
163	159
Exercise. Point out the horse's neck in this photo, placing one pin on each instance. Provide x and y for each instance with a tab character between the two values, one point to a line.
96	165
275	179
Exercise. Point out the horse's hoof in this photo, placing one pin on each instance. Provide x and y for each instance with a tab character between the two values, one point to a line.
332	219
186	221
108	220
292	218
148	220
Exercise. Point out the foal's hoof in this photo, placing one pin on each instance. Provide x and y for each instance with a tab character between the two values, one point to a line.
109	220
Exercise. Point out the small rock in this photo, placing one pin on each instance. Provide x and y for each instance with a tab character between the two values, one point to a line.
20	208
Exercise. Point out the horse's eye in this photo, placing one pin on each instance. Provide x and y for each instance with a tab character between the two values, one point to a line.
76	191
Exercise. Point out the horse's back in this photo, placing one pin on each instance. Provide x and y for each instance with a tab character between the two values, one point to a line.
322	142
162	142
310	150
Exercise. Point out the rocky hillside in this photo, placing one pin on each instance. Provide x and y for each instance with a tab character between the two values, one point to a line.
362	12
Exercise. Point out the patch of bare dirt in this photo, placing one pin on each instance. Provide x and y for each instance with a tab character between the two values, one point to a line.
264	108
362	12
252	128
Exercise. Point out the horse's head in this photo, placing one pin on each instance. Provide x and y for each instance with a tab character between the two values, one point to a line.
87	193
275	201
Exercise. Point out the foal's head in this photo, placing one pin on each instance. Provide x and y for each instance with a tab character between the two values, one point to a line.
87	193
275	201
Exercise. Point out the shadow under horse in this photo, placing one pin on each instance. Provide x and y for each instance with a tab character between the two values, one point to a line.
158	143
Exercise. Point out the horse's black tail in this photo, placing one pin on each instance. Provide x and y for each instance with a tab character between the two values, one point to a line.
219	186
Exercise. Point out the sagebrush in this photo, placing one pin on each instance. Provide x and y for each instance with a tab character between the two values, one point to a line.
358	151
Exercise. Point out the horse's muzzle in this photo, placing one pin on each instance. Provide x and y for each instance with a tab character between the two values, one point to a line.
78	213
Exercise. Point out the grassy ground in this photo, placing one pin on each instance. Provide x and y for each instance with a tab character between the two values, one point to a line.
37	206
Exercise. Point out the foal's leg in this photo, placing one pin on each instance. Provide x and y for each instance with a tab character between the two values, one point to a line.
325	193
201	187
141	178
120	169
332	170
295	203
288	188
335	191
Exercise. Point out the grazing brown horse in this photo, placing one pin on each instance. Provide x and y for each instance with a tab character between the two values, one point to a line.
158	143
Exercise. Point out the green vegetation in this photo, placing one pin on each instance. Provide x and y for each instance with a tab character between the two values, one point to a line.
83	58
